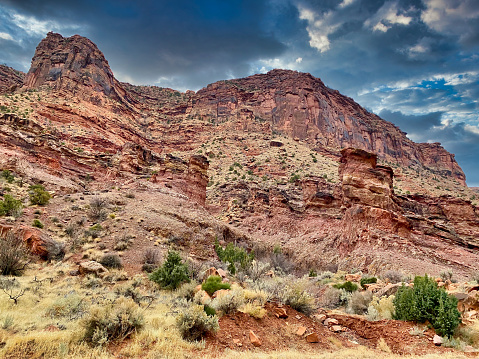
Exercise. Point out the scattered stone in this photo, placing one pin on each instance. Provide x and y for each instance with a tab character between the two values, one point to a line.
254	339
280	312
330	321
74	272
237	342
319	317
437	340
336	328
298	317
312	338
301	331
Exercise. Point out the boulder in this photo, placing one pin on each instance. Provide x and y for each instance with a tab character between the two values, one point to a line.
92	267
331	321
437	340
312	337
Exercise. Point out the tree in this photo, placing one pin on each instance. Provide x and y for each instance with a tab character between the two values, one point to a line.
172	273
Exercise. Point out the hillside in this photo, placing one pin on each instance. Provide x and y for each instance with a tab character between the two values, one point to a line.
275	163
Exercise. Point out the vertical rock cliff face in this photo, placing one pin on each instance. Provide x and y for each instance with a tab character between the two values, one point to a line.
301	106
74	64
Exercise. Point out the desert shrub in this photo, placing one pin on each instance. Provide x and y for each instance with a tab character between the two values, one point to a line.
71	306
348	286
37	223
172	273
257	270
229	302
112	322
447	275
55	249
280	263
394	276
94	231
233	255
151	257
324	277
123	242
10	206
14	255
255	311
359	302
8	176
187	290
194	323
295	295
367	280
333	298
98	209
38	195
426	302
111	260
214	283
256	297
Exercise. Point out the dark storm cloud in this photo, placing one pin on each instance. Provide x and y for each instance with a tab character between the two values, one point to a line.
458	138
147	40
410	123
414	61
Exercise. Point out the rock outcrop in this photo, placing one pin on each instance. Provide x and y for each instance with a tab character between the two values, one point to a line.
301	106
364	182
10	79
74	64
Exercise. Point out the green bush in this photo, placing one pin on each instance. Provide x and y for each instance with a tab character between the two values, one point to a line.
10	206
112	322
37	223
38	195
365	281
347	286
194	322
426	302
8	176
214	283
233	255
172	273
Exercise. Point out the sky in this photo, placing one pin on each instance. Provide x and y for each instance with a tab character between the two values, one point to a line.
413	62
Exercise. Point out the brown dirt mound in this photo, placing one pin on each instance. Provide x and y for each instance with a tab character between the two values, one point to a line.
279	334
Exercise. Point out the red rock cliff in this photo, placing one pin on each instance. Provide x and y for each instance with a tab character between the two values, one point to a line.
74	64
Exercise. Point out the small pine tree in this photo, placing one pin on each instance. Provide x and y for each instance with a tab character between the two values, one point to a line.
172	273
426	302
38	195
214	283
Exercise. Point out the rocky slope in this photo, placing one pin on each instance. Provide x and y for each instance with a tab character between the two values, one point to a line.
279	156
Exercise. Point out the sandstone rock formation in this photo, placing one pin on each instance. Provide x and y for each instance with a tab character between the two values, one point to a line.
76	65
10	79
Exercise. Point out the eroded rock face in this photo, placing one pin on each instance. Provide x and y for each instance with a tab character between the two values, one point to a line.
74	64
301	106
10	79
363	182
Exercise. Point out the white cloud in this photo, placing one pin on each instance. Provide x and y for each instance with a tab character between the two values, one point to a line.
320	26
346	3
299	60
34	27
5	36
447	16
387	16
